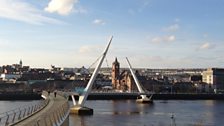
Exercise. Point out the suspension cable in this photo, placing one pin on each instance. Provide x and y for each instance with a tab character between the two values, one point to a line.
95	61
108	67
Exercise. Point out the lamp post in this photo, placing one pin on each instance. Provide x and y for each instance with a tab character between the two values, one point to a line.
196	88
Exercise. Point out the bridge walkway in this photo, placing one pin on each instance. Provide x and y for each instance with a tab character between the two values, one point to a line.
54	114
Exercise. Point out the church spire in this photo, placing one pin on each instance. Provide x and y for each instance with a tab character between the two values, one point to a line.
116	60
20	63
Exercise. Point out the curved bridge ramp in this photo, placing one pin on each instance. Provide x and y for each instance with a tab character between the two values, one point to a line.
55	113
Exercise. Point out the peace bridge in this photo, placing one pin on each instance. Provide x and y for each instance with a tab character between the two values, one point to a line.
55	109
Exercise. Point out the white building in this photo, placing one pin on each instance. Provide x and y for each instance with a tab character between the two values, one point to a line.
214	77
10	77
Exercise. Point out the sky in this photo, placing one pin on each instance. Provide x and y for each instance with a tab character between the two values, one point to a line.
151	33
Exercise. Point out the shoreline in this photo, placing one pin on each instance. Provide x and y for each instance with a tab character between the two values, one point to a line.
20	96
118	96
157	96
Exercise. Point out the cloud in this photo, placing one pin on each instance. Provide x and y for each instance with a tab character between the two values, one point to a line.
206	45
24	12
172	28
170	38
62	7
89	49
99	22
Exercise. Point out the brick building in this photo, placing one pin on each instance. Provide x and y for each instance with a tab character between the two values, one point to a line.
122	81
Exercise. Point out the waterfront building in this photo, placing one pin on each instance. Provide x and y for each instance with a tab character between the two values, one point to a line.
14	68
122	81
126	81
115	74
36	74
55	69
81	70
67	69
8	69
195	78
214	77
10	77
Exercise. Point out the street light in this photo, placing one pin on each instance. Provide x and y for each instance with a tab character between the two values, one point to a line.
196	87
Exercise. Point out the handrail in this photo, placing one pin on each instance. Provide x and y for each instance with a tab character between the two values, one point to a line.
54	117
13	116
63	94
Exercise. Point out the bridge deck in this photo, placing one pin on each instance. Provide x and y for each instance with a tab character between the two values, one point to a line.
45	116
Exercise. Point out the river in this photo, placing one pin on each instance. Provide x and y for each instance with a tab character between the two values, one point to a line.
129	113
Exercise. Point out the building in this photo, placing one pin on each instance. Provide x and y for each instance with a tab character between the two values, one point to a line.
126	81
195	78
214	77
21	63
122	81
115	74
10	77
14	68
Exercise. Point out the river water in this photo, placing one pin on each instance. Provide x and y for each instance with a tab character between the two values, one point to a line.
129	113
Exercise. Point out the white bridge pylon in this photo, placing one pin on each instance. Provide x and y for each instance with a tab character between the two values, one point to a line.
144	97
87	90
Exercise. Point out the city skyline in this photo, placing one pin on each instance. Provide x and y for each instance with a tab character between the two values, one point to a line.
151	33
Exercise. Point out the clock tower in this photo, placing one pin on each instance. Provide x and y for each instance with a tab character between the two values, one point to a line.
115	73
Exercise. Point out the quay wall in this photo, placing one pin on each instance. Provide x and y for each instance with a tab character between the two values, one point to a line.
118	96
20	96
104	96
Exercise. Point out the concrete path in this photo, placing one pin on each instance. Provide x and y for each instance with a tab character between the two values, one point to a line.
54	104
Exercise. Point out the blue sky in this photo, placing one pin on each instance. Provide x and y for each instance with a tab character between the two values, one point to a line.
151	33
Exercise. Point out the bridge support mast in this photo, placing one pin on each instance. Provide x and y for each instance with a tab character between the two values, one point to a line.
144	98
79	108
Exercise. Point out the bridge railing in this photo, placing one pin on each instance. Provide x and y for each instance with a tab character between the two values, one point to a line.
54	117
63	94
119	92
13	116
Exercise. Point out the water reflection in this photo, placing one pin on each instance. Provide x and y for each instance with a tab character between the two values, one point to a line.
128	107
209	102
77	120
129	113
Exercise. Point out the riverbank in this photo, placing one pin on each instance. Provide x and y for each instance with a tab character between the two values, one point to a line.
117	96
20	96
